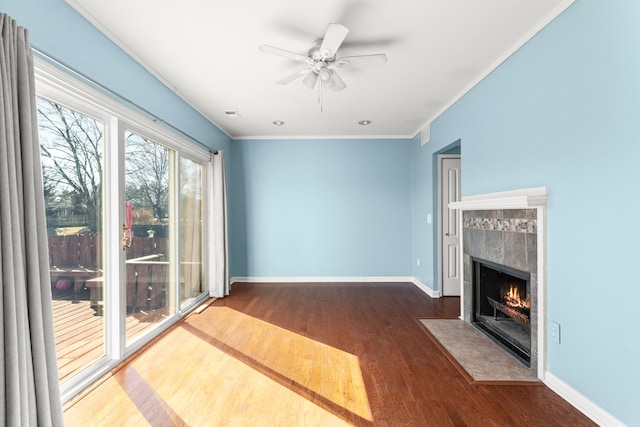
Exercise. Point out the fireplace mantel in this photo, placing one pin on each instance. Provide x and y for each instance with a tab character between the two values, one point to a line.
516	199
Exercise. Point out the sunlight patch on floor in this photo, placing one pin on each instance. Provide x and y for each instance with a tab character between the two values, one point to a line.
333	374
222	390
243	371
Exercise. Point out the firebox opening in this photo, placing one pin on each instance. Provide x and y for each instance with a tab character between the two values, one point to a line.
502	306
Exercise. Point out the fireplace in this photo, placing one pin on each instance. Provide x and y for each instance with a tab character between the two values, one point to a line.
502	306
508	230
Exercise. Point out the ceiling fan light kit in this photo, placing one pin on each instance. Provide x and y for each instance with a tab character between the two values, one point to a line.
321	60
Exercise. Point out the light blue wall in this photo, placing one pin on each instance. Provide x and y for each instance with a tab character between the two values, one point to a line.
564	112
57	29
321	208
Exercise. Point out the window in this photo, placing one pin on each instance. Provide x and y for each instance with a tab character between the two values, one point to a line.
125	202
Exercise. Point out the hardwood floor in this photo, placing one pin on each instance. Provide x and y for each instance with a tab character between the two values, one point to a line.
311	355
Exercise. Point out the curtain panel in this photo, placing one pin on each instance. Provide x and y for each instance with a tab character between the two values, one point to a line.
30	391
219	286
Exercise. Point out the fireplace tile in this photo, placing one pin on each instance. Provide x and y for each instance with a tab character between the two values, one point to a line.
494	246
466	240
520	225
532	252
505	225
473	214
476	242
515	213
515	250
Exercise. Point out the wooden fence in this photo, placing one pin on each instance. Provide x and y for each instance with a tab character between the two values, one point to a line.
77	259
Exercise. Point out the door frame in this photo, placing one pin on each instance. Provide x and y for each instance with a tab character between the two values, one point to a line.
438	209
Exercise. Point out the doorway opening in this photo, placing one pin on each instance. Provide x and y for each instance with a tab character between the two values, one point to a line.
448	241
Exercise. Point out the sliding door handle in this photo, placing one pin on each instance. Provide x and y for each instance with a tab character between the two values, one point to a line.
126	237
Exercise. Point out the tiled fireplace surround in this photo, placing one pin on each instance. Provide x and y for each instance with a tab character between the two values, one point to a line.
508	228
506	237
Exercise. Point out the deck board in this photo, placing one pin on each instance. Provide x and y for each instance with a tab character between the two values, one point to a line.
79	333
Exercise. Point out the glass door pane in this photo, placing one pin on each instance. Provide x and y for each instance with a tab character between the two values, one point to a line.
71	147
191	229
149	265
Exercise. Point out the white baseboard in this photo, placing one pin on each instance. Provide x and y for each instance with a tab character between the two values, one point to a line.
321	279
424	288
346	279
581	402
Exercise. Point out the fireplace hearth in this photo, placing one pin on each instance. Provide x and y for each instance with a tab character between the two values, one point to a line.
502	306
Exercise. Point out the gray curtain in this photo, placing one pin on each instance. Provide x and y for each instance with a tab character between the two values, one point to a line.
30	392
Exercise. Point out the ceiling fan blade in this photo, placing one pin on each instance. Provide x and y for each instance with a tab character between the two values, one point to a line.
287	54
293	77
361	60
332	40
310	80
339	84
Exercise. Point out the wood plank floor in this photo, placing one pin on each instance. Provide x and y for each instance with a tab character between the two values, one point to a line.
311	355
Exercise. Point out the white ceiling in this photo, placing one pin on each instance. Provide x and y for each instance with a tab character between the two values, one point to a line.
207	52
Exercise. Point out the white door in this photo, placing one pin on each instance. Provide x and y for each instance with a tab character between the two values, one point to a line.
450	238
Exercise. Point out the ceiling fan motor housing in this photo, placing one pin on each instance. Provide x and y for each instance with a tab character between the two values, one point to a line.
316	54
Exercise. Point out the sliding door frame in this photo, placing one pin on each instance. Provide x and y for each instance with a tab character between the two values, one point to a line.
57	85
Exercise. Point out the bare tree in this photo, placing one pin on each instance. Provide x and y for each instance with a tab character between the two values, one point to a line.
71	149
147	169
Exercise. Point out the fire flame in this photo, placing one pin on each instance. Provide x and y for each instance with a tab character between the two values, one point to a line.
512	298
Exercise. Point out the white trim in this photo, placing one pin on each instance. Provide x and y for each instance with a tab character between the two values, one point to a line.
312	137
561	7
426	289
79	8
515	199
55	83
341	279
581	402
322	279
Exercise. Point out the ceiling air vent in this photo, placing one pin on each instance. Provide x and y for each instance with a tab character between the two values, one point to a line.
231	113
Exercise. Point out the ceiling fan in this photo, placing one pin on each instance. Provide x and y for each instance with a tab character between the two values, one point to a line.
321	61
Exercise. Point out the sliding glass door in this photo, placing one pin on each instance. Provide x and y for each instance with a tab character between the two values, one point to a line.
149	234
125	202
72	168
191	230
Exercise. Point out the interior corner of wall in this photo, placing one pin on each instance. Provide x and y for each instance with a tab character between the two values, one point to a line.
426	288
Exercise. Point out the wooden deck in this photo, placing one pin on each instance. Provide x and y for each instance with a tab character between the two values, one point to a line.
79	336
79	332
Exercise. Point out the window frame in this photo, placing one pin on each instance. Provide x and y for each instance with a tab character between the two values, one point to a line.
59	86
